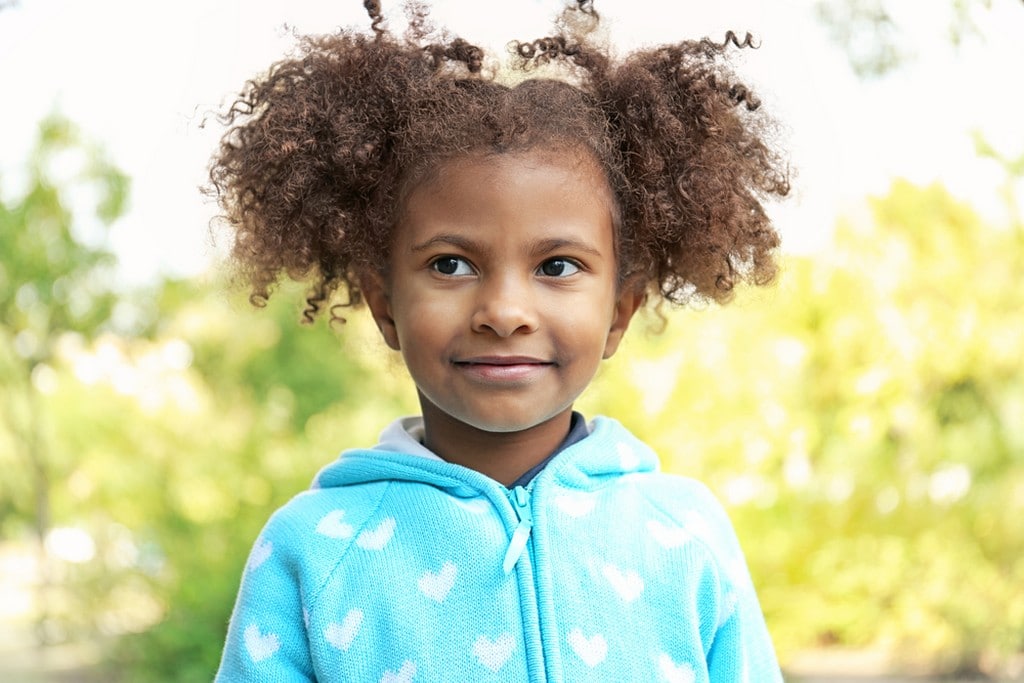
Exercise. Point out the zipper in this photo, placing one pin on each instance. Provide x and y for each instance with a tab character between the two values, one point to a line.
520	499
536	651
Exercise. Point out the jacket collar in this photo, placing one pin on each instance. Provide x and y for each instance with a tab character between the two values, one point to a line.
608	452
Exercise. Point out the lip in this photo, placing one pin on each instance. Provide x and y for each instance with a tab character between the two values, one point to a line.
503	369
502	360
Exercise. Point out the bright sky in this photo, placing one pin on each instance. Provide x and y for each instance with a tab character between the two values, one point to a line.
139	78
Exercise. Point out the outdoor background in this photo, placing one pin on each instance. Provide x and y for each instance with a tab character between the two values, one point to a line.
862	420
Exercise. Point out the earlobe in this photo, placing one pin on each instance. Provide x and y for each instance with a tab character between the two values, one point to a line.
379	303
631	298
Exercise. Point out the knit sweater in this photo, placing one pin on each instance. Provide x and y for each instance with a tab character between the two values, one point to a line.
401	567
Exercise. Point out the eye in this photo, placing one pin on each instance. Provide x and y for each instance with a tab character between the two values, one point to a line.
451	265
558	267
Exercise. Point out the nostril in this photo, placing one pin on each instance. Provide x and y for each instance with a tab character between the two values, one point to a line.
504	320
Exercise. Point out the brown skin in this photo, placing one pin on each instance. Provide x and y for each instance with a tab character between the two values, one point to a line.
503	297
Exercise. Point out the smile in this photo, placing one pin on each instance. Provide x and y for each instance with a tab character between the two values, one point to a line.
503	368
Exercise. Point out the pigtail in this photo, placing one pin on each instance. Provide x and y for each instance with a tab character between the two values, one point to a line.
698	166
292	173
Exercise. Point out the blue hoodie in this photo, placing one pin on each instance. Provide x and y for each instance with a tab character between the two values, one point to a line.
398	566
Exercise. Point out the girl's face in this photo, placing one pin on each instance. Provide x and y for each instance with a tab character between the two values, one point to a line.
502	292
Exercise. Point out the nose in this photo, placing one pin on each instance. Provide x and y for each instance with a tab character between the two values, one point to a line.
505	306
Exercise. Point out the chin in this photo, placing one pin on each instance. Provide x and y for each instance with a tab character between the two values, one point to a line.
505	428
504	425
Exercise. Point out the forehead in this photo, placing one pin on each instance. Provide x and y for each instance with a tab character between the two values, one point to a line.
556	180
506	202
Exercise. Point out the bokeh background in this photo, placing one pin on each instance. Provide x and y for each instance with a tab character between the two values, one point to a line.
863	419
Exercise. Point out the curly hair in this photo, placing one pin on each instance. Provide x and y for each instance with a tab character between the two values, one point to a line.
321	151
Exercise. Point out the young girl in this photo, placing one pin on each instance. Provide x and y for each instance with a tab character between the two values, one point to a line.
502	238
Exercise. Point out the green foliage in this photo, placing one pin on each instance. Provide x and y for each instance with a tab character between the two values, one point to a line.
867	33
52	282
876	44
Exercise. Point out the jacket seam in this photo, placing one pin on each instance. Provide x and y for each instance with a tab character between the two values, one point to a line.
315	597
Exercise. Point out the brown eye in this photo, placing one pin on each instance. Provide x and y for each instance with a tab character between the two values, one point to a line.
558	267
451	265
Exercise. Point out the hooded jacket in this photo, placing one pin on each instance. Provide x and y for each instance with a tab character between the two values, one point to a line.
397	566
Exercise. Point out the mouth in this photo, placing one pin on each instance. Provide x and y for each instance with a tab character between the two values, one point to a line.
503	369
502	361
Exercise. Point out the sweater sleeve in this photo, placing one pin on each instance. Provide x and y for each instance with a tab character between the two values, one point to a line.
267	639
742	650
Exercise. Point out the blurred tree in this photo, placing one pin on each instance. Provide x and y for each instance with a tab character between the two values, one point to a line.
874	40
866	32
54	280
1013	170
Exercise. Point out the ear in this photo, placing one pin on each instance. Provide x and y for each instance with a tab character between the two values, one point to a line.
632	296
377	299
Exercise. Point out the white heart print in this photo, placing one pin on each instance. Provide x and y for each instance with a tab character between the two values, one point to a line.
627	584
477	506
628	459
697	525
260	554
727	608
494	653
591	650
331	525
675	673
574	505
376	539
260	646
403	675
341	635
437	585
668	536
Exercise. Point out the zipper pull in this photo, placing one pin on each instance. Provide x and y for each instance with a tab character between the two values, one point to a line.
520	499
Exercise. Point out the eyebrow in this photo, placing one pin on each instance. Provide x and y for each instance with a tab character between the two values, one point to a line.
559	243
459	241
545	246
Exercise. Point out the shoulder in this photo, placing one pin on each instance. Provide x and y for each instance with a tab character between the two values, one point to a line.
685	497
309	535
674	501
678	495
689	505
305	512
674	494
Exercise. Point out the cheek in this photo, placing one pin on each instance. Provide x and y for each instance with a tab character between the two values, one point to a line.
586	335
424	316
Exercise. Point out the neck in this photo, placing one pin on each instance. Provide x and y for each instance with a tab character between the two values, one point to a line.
502	456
